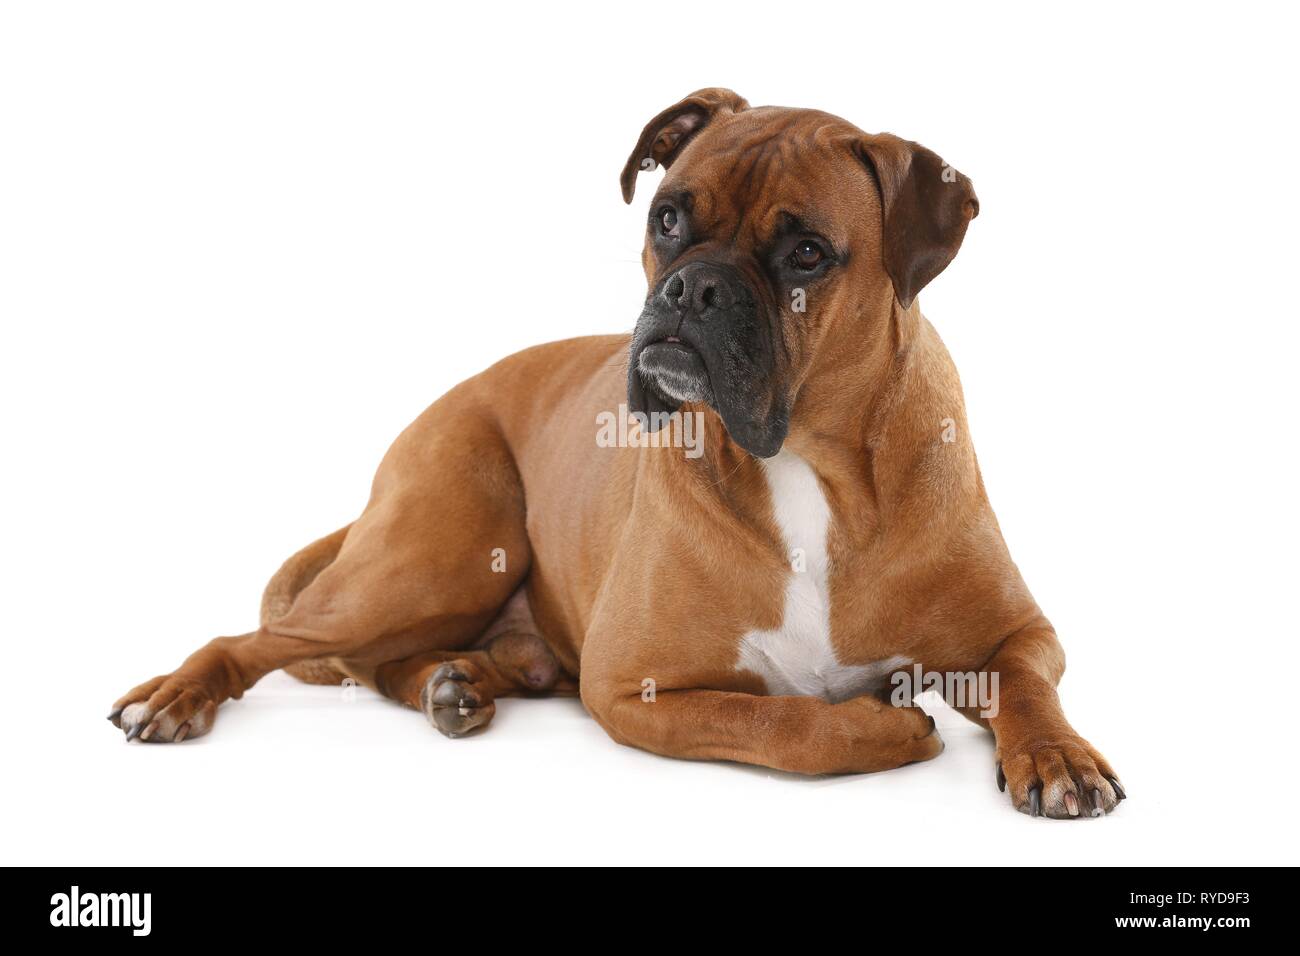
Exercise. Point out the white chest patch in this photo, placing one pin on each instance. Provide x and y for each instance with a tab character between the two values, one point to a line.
797	658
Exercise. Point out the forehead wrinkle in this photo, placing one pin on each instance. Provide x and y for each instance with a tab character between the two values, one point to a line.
767	157
748	157
828	200
757	179
778	211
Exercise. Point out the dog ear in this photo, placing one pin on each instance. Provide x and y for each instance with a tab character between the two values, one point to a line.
927	206
664	136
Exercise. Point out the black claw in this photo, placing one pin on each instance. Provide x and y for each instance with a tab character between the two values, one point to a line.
134	732
453	694
1002	779
115	713
449	672
1035	803
1114	785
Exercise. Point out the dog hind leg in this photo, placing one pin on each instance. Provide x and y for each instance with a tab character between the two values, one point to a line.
287	583
456	690
417	572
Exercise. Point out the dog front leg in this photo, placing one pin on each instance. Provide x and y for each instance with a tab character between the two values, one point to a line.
1049	769
797	734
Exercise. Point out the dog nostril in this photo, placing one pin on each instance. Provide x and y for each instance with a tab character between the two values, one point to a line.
709	297
673	291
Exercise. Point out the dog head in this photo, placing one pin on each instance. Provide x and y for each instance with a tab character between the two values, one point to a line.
776	235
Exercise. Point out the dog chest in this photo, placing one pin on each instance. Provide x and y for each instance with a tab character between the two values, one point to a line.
797	657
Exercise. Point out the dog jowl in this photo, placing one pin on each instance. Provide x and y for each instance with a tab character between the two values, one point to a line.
702	324
832	530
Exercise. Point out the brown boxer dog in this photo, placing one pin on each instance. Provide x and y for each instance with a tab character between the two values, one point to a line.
749	590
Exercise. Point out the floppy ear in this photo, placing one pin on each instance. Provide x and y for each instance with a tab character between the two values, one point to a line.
664	136
927	206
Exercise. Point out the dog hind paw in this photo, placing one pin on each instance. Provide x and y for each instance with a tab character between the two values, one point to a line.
164	710
456	700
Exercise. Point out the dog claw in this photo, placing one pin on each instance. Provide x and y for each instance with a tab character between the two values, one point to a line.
1064	780
1002	779
132	732
448	672
182	732
149	731
116	713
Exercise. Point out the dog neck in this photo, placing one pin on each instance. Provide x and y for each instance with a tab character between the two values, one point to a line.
849	405
850	394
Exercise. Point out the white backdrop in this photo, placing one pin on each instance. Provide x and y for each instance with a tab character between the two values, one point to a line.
242	245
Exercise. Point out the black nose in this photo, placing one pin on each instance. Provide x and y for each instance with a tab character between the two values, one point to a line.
701	288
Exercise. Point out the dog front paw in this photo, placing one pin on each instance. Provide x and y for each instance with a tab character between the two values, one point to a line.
1060	778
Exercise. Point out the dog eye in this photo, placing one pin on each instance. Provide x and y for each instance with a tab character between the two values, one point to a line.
668	221
807	254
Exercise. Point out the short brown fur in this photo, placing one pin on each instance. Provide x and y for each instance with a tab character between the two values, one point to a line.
411	598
